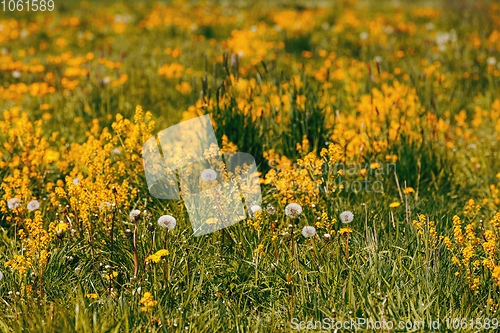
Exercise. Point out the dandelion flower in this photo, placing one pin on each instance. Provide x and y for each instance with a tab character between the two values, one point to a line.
255	209
293	210
134	214
208	175
308	231
344	231
212	220
167	221
409	190
270	209
157	256
33	205
111	276
394	204
347	216
61	229
14	203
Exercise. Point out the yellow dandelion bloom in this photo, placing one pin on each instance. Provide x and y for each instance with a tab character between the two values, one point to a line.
111	275
344	231
409	190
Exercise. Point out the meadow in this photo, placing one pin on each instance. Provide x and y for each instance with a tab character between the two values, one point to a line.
375	127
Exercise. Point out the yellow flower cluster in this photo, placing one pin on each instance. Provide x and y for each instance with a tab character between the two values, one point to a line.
148	301
256	221
467	245
36	241
427	229
303	182
156	257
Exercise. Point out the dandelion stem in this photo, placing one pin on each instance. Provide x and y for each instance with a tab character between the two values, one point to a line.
136	259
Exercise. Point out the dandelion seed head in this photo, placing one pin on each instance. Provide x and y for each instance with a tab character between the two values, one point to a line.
346	216
134	214
167	222
270	209
255	209
293	210
208	175
308	231
14	203
33	205
105	205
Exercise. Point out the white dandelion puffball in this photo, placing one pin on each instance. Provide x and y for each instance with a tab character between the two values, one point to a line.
76	181
208	175
293	210
33	205
14	203
134	214
347	216
105	205
270	209
254	209
327	237
167	221
308	231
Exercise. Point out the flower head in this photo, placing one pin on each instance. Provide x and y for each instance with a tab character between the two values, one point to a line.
308	231
105	205
33	205
61	228
346	217
271	209
14	203
408	190
394	204
255	209
134	214
148	301
344	231
157	256
167	221
208	175
293	210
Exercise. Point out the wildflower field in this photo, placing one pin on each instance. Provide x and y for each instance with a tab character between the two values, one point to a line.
375	129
